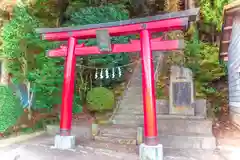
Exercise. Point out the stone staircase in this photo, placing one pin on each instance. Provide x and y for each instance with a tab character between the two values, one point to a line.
175	131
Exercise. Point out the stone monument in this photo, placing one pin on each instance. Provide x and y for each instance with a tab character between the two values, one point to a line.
181	99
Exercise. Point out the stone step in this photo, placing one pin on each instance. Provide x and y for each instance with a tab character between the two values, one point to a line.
136	92
131	116
134	100
117	140
93	145
128	106
190	141
135	87
120	135
133	109
195	154
83	131
171	124
130	131
131	103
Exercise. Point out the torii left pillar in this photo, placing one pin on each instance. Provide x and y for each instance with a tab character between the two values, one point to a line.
65	140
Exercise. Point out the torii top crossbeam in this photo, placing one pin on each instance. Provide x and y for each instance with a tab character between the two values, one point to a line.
175	20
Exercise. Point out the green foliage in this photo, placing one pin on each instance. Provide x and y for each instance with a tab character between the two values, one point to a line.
16	36
24	50
94	15
212	11
159	92
160	87
78	102
100	99
46	11
48	78
74	6
203	60
10	108
20	45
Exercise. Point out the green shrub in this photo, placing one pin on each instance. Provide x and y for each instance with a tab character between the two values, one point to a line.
10	108
100	99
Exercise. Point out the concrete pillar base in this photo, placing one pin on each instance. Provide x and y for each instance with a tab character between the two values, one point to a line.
151	152
64	142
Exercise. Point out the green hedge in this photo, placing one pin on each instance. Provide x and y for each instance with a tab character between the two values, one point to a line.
10	108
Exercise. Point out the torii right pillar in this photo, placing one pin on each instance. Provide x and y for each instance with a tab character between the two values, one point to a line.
151	149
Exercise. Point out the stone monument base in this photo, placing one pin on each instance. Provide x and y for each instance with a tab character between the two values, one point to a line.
199	108
150	152
64	142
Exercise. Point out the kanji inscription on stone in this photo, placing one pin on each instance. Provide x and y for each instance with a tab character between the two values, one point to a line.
181	98
181	94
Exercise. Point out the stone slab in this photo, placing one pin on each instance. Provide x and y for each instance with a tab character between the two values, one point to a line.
162	106
110	146
118	129
188	141
171	124
64	142
185	126
130	106
201	107
150	152
119	135
193	154
116	139
80	131
170	141
133	100
140	135
173	139
165	116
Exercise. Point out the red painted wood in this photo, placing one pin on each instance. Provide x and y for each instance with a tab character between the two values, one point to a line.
155	26
152	40
68	88
148	89
117	48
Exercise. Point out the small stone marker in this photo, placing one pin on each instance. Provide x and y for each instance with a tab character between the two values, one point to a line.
95	129
181	97
201	108
162	106
140	135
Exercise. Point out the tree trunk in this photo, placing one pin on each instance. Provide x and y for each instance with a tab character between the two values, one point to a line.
63	4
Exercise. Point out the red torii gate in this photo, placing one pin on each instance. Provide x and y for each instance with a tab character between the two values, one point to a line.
103	31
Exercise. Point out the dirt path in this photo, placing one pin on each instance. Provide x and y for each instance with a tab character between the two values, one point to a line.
227	134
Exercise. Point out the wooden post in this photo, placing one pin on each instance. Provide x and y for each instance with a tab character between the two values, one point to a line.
68	89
